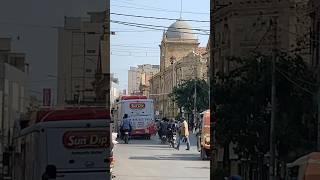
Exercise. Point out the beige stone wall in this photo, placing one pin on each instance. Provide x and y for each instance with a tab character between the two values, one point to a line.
187	68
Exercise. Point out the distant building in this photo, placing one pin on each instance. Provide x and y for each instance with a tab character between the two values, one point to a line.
79	45
13	91
181	59
138	78
115	89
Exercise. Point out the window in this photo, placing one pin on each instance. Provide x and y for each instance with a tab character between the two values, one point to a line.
91	51
88	70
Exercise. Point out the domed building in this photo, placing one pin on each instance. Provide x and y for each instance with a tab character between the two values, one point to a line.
180	59
177	41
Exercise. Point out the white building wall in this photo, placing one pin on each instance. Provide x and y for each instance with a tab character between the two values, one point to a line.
78	53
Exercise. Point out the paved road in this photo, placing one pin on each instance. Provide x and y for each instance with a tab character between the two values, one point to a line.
149	160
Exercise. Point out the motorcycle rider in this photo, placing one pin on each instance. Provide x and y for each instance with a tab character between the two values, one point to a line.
163	127
172	129
126	125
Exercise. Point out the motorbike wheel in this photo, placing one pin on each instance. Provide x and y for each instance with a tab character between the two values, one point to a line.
126	139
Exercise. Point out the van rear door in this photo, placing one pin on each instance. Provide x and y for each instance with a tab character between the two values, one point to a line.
77	152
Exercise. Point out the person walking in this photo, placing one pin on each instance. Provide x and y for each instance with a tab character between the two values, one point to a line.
184	134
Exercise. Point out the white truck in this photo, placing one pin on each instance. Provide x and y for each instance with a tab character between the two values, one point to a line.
65	144
140	111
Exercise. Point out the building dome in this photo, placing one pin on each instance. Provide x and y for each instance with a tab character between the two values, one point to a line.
180	30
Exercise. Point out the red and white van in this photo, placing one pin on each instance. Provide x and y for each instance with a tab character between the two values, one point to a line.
66	144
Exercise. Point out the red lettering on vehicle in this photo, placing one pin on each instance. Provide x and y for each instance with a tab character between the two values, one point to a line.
86	139
137	105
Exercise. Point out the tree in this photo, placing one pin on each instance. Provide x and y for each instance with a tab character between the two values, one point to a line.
242	98
183	95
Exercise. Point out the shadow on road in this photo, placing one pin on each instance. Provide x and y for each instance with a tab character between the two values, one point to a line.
197	167
166	157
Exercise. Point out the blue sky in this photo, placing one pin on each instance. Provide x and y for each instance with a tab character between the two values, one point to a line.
132	46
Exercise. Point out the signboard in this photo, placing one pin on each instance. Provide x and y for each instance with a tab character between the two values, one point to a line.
85	139
46	100
137	105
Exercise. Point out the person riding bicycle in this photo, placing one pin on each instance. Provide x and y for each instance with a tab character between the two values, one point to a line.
126	125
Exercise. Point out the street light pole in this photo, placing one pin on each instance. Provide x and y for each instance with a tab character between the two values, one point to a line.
272	174
195	94
172	60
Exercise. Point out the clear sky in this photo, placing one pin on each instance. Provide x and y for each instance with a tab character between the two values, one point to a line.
132	46
33	21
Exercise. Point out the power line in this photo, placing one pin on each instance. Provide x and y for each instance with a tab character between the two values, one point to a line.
301	80
134	49
157	26
262	38
124	45
293	82
135	31
146	26
132	55
160	18
159	10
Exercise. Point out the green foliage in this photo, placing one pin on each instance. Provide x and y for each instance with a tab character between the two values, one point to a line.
183	95
242	98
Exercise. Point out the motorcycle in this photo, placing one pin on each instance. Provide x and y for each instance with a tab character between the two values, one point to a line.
126	137
163	139
172	136
173	141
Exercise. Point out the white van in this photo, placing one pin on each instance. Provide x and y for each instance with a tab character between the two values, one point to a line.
140	111
70	144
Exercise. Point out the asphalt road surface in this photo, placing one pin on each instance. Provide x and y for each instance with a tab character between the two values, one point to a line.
150	160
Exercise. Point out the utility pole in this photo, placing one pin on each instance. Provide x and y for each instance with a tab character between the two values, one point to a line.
172	59
318	128
195	94
272	173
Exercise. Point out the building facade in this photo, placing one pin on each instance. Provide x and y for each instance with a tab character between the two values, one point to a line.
13	92
314	6
79	52
181	59
243	27
138	78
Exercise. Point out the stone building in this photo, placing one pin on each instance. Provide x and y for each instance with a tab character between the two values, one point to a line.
181	58
314	6
243	26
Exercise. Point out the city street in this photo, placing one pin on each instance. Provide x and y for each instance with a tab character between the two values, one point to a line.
148	159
